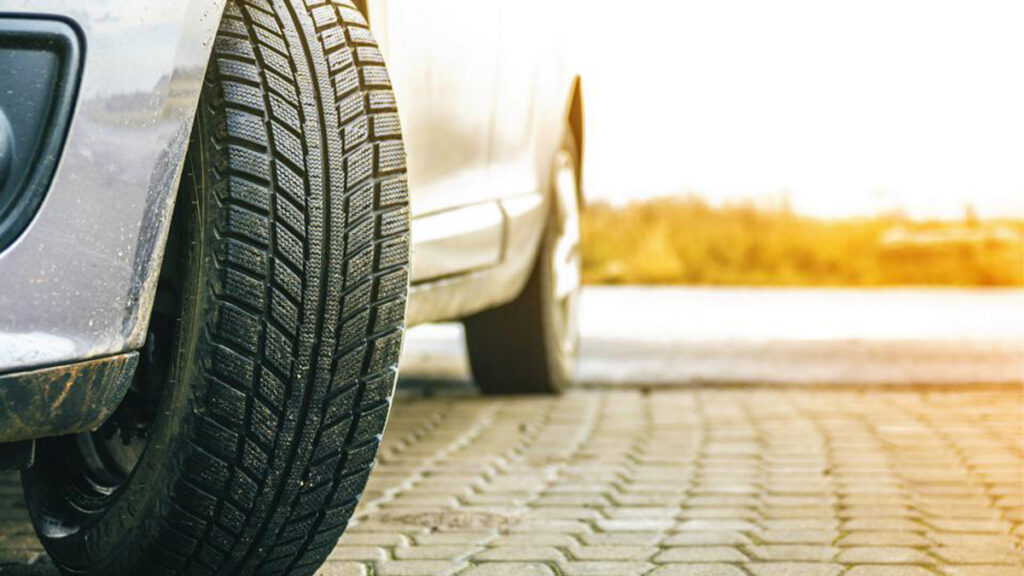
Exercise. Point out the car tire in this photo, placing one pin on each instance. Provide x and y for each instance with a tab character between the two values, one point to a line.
529	346
267	376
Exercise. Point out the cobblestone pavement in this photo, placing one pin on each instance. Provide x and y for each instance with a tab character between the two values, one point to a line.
701	482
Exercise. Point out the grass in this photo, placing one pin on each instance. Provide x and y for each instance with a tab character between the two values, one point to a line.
688	241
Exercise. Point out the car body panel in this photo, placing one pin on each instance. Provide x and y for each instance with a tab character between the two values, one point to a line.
78	282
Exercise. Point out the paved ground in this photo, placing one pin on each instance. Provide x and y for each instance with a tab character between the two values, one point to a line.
678	336
701	482
674	479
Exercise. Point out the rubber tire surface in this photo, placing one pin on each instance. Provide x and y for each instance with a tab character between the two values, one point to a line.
288	340
513	348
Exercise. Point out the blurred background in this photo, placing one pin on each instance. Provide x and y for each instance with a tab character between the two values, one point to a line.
805	143
797	191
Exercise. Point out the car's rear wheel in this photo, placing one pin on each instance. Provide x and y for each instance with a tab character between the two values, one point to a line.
529	346
266	378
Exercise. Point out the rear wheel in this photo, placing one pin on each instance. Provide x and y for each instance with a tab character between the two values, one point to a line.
529	346
266	378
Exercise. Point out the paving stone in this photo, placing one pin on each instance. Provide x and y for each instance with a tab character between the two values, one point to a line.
883	555
883	538
343	569
509	569
982	570
452	538
976	555
700	554
432	552
634	525
603	568
697	570
365	553
417	568
793	552
709	538
794	569
519	554
612	552
538	539
888	571
798	536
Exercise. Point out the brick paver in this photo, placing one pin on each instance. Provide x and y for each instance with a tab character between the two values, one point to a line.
759	482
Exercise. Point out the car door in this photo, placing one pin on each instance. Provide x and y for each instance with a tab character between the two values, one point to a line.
443	62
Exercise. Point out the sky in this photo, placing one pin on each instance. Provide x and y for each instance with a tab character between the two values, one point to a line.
845	108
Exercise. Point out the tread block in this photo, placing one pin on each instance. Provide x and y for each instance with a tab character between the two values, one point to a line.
244	190
350	107
238	94
332	38
393	191
244	288
287	145
371	422
231	366
360	35
360	455
357	298
386	125
376	77
349	367
247	127
390	157
278	351
340	403
356	134
346	81
249	162
353	331
380	387
225	403
381	101
359	203
359	166
237	69
393	284
284	312
270	388
242	255
254	460
237	47
388	315
288	281
288	247
384	349
394	221
323	16
216	439
393	251
351	15
369	55
238	327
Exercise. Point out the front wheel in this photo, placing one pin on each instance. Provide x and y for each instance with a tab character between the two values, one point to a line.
529	346
267	374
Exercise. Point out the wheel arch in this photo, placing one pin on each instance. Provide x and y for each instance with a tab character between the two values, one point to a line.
575	118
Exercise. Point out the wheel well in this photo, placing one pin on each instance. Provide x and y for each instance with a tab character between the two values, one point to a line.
575	119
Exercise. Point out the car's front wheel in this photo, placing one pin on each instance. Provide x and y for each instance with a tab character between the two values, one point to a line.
266	379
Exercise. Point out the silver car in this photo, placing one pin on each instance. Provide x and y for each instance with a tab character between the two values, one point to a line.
216	222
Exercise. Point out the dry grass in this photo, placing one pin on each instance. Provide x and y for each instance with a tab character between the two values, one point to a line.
688	241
